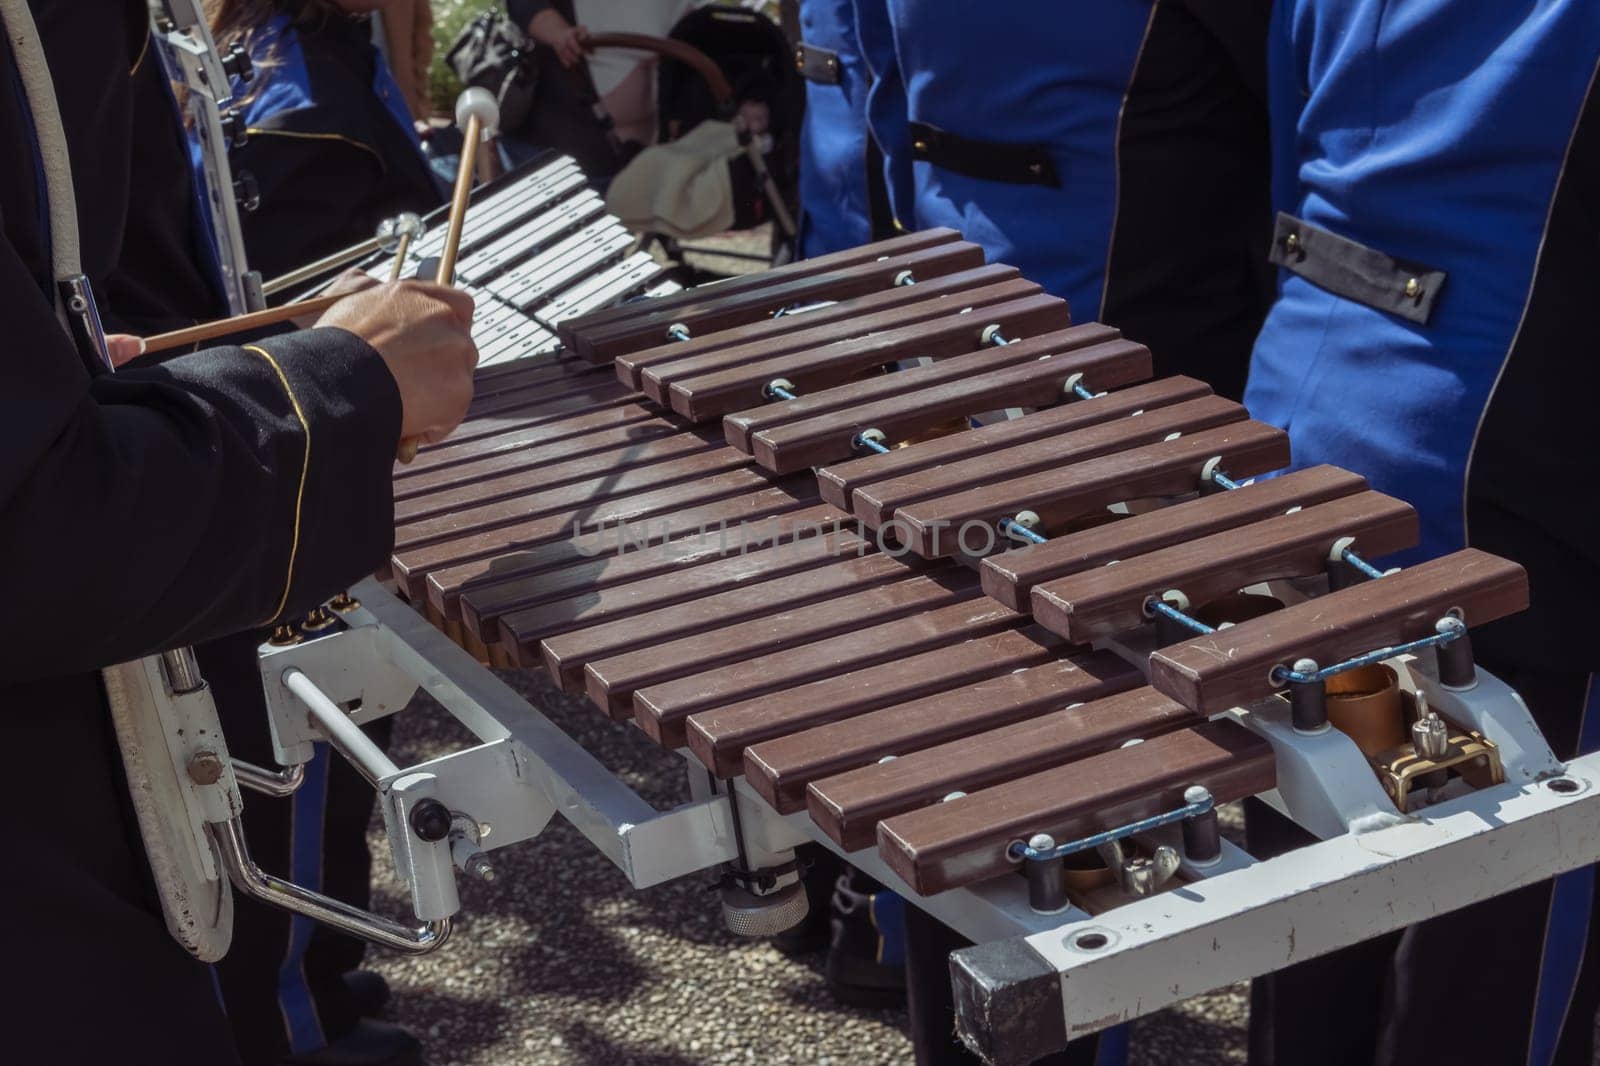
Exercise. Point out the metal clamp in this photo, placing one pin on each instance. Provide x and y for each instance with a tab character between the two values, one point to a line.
1137	876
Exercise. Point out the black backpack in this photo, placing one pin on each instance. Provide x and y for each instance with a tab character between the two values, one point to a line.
493	53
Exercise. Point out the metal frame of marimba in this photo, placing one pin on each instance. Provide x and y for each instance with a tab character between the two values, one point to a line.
761	395
1034	980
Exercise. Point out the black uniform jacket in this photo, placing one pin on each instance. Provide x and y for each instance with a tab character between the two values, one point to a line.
329	156
138	511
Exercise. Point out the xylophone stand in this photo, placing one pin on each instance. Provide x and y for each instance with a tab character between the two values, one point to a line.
1039	975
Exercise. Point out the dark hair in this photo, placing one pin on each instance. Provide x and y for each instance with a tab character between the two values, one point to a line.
241	21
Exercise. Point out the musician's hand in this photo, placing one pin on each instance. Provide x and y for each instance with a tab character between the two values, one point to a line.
423	332
123	348
351	281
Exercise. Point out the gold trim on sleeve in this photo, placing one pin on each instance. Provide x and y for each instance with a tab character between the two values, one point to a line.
305	469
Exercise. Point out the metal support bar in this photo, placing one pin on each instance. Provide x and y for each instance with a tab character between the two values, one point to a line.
870	440
277	783
346	737
648	845
256	883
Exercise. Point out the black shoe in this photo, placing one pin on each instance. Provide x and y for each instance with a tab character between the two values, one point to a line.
858	973
370	1043
368	990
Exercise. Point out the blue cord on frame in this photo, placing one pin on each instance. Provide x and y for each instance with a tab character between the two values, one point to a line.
1020	850
1349	555
1166	610
865	443
1455	631
1022	532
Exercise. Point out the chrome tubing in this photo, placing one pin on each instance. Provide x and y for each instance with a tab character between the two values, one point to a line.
256	883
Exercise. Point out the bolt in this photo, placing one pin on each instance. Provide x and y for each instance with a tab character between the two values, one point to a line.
481	868
205	768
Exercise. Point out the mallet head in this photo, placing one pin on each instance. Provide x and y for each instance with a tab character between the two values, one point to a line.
480	103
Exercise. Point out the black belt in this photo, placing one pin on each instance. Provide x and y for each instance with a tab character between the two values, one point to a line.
817	64
1015	164
1356	272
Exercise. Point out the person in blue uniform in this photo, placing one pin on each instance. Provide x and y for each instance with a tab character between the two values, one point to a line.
331	147
155	507
844	195
1438	173
1116	153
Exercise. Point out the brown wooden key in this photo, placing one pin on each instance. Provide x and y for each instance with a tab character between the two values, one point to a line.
713	395
1010	576
1109	599
877	502
1234	666
779	770
849	806
659	381
1036	383
948	845
839	480
638	369
934	527
602	336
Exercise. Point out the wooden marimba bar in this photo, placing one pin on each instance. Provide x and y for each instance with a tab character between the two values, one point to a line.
892	622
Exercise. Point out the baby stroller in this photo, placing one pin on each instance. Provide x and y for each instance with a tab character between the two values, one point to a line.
725	66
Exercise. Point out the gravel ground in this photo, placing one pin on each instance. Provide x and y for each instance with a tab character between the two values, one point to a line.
560	961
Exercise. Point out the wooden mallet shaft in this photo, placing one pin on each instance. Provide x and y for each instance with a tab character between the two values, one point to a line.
207	331
476	109
459	199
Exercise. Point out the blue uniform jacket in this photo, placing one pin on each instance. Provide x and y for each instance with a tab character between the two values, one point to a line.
1458	138
840	162
1143	197
330	143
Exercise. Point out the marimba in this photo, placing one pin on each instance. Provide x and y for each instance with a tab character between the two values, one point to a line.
814	580
906	563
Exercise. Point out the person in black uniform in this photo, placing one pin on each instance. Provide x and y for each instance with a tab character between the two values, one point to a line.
332	149
155	507
330	142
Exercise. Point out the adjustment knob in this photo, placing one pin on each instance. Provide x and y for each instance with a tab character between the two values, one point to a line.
747	914
430	820
236	64
247	191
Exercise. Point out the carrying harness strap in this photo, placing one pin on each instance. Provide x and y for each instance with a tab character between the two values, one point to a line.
74	299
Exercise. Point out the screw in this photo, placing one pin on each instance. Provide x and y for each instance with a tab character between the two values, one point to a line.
481	868
205	768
